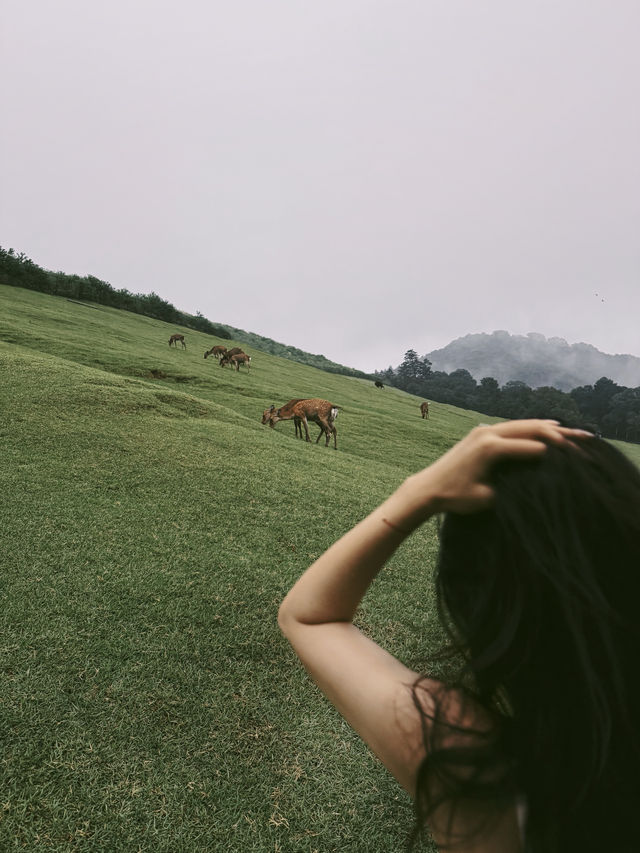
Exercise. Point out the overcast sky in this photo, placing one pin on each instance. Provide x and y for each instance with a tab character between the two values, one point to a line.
352	177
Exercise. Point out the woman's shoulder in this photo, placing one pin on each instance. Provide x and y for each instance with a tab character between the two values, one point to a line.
460	737
458	714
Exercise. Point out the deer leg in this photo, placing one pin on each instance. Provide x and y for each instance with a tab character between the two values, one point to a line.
322	430
325	428
306	427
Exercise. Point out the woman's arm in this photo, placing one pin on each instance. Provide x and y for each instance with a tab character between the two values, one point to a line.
369	687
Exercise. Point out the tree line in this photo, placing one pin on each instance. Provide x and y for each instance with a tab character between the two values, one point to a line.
18	270
605	407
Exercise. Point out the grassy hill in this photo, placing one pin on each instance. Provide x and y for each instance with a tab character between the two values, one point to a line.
151	527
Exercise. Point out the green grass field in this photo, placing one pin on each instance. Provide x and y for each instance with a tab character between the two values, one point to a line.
151	527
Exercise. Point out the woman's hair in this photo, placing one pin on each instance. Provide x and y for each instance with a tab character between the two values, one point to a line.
540	594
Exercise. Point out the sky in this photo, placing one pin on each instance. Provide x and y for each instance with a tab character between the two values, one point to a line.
352	177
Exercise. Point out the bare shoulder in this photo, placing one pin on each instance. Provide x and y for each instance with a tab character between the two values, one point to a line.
456	710
453	719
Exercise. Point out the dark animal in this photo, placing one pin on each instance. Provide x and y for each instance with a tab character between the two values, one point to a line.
424	409
174	340
378	384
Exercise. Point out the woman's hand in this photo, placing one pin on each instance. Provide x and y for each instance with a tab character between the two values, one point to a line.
459	480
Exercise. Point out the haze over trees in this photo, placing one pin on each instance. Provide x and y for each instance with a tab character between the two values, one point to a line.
535	360
604	407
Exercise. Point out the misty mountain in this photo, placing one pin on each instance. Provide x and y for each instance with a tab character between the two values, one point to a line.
534	359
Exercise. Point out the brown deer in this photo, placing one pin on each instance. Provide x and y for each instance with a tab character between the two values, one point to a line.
297	422
225	358
240	358
266	417
174	340
321	412
216	351
424	409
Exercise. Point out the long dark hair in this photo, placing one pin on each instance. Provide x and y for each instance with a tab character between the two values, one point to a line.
541	596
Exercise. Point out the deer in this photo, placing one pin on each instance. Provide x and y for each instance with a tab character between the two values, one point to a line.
378	384
225	358
321	412
174	340
284	413
266	417
240	358
297	422
424	409
216	352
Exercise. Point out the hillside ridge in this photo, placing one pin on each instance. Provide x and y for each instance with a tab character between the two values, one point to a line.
534	359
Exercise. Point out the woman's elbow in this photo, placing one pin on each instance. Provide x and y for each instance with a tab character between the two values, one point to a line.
285	618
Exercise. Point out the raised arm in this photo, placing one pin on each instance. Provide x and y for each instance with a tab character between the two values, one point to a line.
370	687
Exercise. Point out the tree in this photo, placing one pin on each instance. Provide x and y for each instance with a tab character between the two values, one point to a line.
413	371
623	418
487	396
603	391
515	400
547	402
461	388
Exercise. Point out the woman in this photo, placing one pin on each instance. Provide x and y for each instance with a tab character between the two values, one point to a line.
536	747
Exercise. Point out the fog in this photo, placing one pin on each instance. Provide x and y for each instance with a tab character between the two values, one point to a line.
354	179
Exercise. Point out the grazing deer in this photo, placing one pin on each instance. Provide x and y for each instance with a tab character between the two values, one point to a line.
283	413
240	358
424	409
174	340
378	384
297	422
321	412
216	351
225	358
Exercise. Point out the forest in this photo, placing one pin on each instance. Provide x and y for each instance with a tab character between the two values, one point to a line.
605	407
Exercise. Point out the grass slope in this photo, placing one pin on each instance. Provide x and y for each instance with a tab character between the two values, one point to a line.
151	527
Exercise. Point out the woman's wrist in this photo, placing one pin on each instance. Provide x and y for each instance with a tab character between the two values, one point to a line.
409	506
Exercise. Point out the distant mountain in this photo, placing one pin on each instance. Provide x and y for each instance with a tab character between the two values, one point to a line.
535	360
